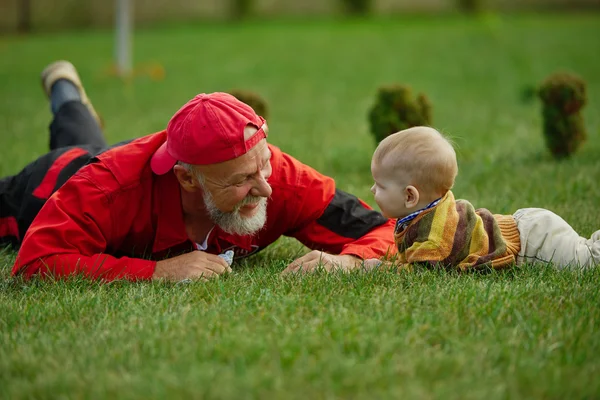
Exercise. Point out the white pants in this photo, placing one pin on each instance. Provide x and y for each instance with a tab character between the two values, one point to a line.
547	237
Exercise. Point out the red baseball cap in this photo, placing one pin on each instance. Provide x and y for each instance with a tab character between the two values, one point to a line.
208	129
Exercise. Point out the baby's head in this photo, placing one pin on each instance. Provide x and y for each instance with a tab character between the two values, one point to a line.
412	168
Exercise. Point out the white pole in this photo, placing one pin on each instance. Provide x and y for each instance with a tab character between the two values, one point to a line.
123	22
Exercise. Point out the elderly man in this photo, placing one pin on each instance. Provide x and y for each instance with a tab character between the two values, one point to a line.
164	206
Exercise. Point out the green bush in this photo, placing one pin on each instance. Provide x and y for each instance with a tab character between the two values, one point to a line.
471	6
241	8
395	109
258	104
563	96
357	7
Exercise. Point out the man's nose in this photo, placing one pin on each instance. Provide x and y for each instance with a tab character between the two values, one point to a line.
373	189
261	188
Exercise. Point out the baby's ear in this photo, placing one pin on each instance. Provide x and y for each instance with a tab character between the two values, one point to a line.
411	196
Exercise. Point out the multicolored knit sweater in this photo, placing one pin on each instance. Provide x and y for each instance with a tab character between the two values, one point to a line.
455	235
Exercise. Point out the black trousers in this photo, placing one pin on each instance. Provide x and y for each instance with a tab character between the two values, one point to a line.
75	138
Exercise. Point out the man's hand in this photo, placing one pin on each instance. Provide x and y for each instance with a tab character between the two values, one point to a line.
194	265
329	262
371	264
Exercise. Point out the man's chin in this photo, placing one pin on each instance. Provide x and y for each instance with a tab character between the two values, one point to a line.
244	223
242	229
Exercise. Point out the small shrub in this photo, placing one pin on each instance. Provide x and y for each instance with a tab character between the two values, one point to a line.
258	104
241	8
471	6
563	96
395	109
357	7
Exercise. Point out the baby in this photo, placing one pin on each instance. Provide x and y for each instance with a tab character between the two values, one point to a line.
414	170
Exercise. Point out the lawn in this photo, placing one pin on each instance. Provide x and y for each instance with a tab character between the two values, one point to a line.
528	332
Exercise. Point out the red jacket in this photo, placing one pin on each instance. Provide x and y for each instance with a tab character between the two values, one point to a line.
114	217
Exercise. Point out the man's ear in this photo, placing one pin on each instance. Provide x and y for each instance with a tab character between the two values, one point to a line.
186	179
411	196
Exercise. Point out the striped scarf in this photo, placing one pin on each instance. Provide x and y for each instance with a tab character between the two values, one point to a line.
454	234
403	223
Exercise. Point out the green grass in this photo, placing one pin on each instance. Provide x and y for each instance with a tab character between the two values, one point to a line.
529	332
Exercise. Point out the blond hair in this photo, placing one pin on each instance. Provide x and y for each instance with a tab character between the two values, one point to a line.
424	155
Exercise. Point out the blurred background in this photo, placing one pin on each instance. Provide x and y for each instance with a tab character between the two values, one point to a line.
25	15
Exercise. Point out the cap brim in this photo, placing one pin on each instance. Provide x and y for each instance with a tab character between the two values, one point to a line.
161	161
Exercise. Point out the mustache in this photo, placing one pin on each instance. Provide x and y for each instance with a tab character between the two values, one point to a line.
249	200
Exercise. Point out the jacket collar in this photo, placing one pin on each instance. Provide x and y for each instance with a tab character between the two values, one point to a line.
166	200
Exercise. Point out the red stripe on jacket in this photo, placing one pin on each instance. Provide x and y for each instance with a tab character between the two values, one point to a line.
9	227
45	189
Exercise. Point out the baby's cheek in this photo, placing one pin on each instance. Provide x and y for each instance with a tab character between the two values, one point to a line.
378	201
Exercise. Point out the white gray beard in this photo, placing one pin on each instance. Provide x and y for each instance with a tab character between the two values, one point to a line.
234	223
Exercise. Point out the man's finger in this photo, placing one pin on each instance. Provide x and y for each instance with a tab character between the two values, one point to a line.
312	256
215	268
371	264
312	266
204	274
310	262
295	265
217	264
216	259
315	265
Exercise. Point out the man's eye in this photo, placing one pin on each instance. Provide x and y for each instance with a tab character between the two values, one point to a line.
241	183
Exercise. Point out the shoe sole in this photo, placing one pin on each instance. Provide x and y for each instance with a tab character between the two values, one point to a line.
66	70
